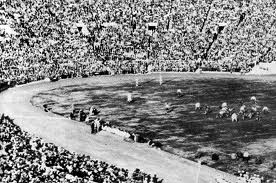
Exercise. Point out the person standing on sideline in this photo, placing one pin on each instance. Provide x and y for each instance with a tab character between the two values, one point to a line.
82	115
93	111
97	123
73	108
92	126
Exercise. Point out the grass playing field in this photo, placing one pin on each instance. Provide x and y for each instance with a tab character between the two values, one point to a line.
183	131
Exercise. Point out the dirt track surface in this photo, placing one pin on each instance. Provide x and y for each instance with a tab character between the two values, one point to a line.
76	136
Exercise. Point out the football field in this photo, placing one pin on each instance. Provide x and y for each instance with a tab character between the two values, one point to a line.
182	130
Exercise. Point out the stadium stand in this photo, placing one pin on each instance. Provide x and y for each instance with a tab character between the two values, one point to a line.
72	38
82	38
24	158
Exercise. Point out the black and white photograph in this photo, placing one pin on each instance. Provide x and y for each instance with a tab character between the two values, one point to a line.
137	91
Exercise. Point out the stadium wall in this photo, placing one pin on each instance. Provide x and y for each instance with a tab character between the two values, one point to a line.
4	86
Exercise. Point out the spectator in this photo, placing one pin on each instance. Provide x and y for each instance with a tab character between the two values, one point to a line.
85	38
24	158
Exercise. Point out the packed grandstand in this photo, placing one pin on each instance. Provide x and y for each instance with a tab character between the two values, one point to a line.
79	38
63	39
25	158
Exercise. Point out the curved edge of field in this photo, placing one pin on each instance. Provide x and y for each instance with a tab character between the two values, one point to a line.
104	146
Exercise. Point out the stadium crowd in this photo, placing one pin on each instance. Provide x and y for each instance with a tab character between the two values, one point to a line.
243	177
81	38
24	158
72	38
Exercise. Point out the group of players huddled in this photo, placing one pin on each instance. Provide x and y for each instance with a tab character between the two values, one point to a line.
246	111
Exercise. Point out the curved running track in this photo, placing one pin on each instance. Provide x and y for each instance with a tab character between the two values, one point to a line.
76	136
